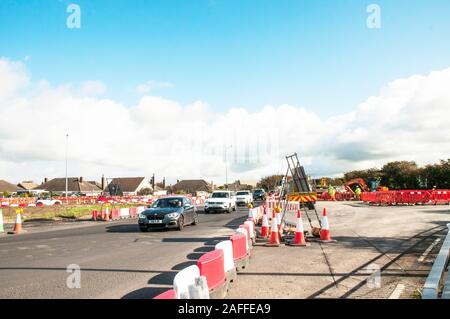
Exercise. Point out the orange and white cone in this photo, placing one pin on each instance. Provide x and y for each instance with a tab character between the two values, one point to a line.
18	224
299	238
264	227
325	235
274	234
107	215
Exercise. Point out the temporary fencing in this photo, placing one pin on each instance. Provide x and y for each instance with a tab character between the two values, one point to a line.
407	197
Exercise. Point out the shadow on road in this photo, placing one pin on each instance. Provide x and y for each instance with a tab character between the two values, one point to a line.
145	293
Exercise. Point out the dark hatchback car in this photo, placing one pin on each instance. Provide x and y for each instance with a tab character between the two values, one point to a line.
168	212
259	194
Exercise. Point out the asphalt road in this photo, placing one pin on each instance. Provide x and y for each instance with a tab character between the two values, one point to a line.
115	258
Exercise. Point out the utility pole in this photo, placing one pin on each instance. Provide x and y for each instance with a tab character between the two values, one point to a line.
67	147
226	166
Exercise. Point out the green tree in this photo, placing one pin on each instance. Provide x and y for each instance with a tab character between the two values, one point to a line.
436	175
269	182
400	175
145	191
367	175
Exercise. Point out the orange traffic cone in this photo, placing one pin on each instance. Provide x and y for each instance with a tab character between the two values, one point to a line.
106	215
18	224
299	239
325	235
264	227
274	234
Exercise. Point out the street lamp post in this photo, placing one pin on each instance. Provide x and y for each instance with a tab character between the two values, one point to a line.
226	166
67	147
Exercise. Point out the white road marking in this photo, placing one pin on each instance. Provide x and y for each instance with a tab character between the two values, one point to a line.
397	291
426	252
23	248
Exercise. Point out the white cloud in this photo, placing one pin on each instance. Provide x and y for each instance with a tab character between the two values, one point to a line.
151	86
407	120
13	76
93	88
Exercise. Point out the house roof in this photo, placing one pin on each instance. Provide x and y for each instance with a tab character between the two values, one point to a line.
27	185
192	186
127	184
8	187
73	185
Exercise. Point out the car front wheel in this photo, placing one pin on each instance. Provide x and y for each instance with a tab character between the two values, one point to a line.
180	223
195	222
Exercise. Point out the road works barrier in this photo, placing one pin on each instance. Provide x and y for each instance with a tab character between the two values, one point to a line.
107	214
433	284
245	230
407	197
184	279
241	254
228	264
211	266
2	229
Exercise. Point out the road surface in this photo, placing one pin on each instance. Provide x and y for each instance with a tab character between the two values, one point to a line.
116	259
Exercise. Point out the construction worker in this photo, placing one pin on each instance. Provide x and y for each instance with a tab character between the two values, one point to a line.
358	192
332	192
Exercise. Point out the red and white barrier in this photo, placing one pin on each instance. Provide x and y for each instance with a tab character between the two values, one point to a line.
228	262
211	266
184	279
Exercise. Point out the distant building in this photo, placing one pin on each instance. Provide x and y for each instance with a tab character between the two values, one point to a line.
75	185
191	186
127	186
6	187
27	185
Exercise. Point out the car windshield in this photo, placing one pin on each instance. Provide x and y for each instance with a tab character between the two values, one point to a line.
220	195
168	203
258	191
242	193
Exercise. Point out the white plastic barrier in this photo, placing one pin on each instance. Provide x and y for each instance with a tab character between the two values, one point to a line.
124	212
252	228
184	279
31	205
140	209
244	231
227	248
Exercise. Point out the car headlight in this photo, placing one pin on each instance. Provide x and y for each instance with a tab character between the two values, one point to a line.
172	215
142	216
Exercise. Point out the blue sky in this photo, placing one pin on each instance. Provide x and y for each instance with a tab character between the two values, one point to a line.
317	54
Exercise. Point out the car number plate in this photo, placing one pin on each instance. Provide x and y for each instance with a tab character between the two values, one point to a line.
155	221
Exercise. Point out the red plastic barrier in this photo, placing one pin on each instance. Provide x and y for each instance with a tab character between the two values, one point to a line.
247	228
211	266
169	294
239	246
115	213
440	197
133	211
94	214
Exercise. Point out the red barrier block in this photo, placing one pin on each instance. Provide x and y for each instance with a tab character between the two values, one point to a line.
240	253
211	266
247	228
94	214
133	211
169	294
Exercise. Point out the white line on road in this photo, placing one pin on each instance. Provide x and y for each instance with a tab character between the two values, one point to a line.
397	291
426	252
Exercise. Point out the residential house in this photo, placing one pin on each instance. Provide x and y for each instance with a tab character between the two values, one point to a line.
127	186
75	185
191	186
8	188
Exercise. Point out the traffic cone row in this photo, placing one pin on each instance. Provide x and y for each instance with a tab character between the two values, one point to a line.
276	230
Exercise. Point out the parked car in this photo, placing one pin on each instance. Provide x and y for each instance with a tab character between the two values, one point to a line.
221	201
48	202
169	212
244	198
259	194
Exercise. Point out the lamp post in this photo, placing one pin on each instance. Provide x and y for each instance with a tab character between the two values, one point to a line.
67	147
226	166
